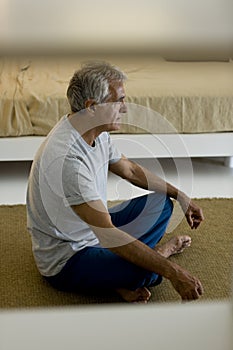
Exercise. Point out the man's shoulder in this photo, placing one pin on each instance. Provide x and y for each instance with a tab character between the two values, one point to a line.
55	144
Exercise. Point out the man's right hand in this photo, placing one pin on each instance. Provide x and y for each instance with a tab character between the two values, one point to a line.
188	286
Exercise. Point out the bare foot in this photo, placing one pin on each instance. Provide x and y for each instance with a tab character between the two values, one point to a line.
175	245
140	295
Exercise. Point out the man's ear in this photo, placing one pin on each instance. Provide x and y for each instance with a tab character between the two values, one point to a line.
90	104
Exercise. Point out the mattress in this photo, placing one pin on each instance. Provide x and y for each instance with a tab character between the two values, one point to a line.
194	97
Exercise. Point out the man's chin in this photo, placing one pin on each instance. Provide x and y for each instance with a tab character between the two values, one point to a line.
114	127
117	127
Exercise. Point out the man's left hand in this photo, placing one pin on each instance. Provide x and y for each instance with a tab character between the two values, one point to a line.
193	213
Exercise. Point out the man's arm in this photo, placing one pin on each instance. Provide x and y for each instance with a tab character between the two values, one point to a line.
119	242
143	178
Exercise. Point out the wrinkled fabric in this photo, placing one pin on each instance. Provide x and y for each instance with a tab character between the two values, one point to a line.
194	97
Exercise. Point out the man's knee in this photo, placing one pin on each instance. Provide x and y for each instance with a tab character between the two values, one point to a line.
163	202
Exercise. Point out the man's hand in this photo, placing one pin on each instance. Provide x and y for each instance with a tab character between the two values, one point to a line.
189	287
193	213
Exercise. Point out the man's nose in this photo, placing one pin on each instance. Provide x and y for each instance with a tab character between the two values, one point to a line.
123	108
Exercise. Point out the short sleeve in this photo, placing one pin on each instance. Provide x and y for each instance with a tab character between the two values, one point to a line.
78	183
114	153
70	179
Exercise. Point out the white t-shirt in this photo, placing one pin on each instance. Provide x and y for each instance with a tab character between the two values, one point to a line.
66	171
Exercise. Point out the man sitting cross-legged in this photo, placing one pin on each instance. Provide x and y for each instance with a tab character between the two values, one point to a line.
79	244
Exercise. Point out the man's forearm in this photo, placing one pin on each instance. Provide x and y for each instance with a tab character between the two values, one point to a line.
145	179
143	256
133	250
188	286
136	252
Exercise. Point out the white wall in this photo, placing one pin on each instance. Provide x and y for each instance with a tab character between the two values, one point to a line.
115	24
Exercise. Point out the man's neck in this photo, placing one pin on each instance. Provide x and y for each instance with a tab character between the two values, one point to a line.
83	126
89	137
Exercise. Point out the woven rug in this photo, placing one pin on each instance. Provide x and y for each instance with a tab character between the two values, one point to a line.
209	258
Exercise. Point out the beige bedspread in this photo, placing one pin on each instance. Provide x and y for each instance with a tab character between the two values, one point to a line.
193	96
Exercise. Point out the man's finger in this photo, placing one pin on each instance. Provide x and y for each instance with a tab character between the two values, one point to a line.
196	223
200	289
189	219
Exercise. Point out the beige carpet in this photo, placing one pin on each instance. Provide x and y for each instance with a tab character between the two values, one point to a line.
209	258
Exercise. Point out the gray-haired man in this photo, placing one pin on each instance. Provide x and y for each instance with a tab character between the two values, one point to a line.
79	244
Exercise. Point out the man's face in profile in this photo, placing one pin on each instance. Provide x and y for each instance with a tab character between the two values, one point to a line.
113	107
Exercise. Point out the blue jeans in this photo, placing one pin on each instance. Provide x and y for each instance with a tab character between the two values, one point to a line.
97	268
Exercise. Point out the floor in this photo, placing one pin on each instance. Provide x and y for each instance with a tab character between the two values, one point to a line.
199	178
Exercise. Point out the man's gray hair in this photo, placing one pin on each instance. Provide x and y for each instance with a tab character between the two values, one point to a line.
92	82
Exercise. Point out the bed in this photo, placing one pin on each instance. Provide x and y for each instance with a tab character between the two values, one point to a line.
194	98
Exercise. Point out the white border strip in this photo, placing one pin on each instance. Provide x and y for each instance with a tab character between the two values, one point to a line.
197	145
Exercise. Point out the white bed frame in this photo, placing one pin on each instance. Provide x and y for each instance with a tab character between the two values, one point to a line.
138	146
